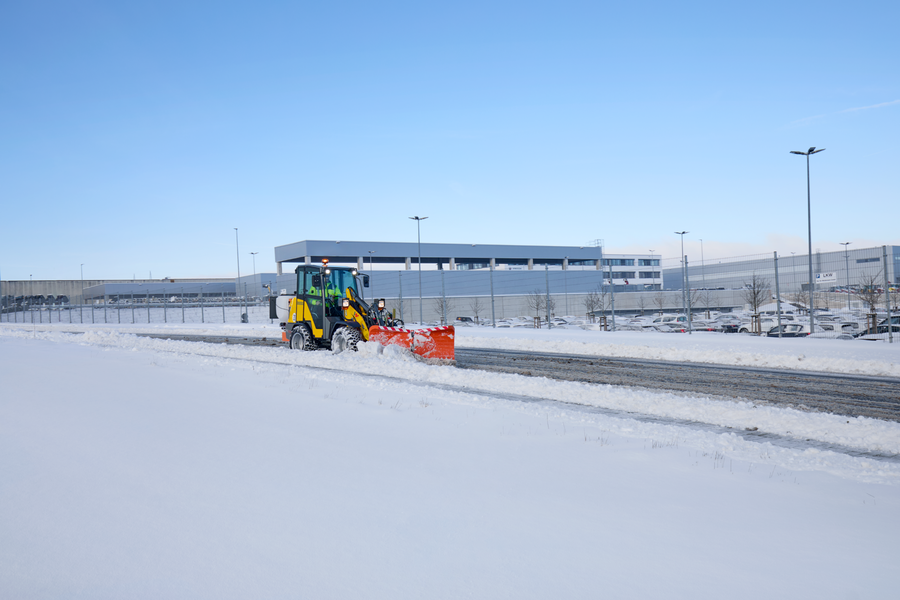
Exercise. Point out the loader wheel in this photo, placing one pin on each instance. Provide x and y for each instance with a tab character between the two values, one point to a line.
345	339
301	339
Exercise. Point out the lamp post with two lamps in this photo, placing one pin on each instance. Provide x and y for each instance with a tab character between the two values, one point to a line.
418	221
812	282
847	268
253	254
683	274
237	248
371	272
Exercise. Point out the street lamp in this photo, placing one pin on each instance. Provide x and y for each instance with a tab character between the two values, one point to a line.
253	285
371	271
702	270
237	248
812	282
418	221
683	274
847	268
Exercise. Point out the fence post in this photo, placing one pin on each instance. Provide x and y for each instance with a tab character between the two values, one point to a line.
165	301
132	307
443	301
887	295
400	279
687	289
182	305
202	316
547	275
148	306
778	295
493	316
612	296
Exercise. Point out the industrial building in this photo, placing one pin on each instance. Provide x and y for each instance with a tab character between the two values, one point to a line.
467	269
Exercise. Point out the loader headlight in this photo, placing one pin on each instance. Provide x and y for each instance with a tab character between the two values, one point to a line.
328	271
355	272
381	305
346	303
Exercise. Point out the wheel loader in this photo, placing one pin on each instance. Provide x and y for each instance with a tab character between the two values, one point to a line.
328	311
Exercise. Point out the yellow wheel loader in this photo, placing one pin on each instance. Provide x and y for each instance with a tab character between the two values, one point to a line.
328	311
316	315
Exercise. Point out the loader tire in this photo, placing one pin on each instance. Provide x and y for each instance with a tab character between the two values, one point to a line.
346	338
301	339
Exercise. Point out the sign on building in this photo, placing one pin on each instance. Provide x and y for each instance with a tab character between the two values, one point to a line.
826	277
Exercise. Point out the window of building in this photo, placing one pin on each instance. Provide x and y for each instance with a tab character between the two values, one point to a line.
623	274
648	262
867	260
649	274
618	262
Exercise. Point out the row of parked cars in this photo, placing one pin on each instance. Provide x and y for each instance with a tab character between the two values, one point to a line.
845	327
32	301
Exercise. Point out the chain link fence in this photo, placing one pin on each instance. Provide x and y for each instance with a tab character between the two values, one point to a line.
188	305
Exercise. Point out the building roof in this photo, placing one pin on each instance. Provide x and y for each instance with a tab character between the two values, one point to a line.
397	252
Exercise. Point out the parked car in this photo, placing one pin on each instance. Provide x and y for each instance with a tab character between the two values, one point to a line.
765	325
789	330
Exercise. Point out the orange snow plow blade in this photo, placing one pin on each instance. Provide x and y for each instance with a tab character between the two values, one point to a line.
431	343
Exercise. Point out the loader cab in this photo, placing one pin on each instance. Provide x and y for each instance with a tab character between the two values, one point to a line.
322	289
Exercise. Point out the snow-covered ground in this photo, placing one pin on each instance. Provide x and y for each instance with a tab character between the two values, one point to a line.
153	468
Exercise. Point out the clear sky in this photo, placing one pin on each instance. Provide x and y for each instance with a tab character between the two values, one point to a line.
135	136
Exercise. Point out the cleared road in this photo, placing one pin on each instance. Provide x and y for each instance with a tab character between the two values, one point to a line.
851	395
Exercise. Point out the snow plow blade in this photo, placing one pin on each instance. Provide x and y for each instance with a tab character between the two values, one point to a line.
435	344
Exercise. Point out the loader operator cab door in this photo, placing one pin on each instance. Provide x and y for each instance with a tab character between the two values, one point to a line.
310	293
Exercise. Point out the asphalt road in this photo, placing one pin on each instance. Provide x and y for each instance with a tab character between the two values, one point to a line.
851	395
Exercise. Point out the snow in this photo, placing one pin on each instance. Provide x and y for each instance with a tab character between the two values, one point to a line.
154	468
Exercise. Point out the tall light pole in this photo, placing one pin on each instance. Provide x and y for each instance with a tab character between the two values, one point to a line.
80	304
253	254
371	272
847	268
812	282
418	221
702	271
683	274
237	248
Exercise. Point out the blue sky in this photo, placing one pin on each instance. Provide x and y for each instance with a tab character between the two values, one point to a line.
136	136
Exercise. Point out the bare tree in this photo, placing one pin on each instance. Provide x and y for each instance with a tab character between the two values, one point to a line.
706	299
868	290
659	300
756	292
537	301
694	298
799	300
596	301
443	306
592	303
551	305
476	306
641	303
